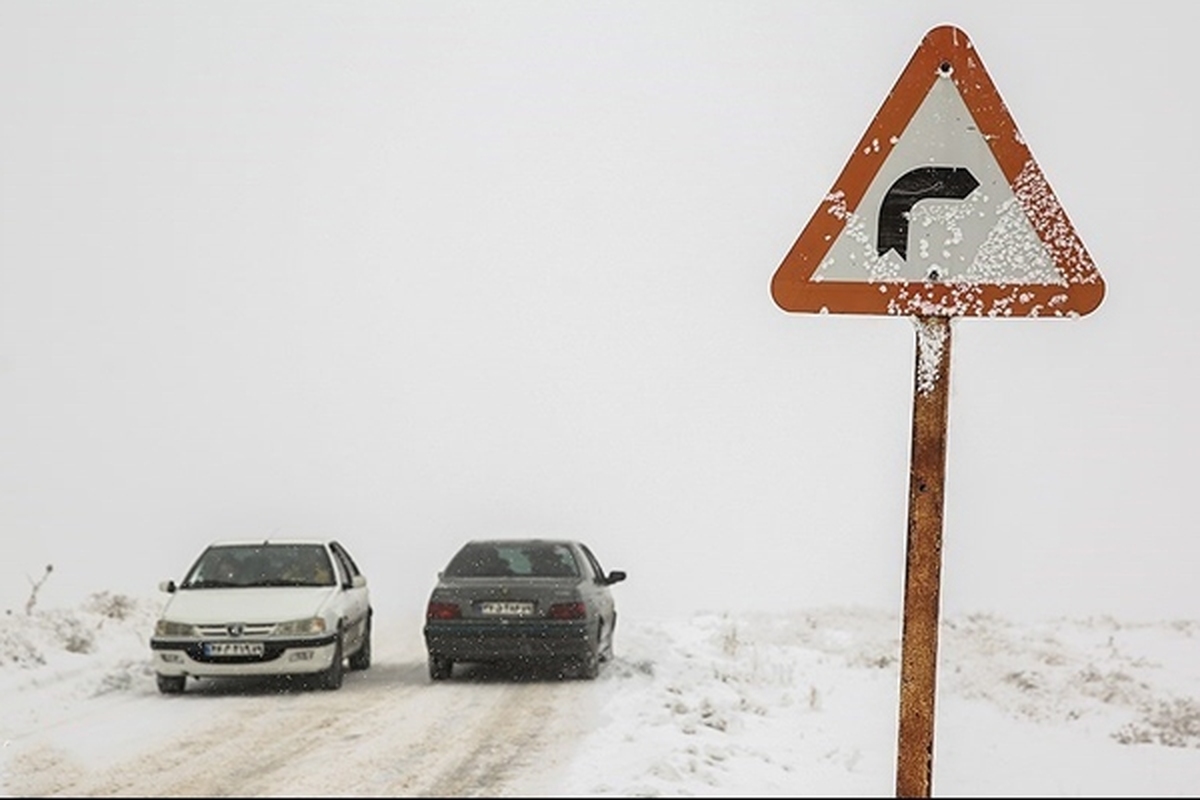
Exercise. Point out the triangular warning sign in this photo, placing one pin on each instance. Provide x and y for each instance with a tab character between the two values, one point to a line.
941	210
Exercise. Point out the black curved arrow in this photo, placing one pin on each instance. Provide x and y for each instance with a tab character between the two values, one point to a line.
954	183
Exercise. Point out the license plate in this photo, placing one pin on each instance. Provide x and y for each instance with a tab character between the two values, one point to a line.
233	648
506	609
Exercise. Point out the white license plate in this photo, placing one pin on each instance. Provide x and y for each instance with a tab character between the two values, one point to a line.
506	609
233	648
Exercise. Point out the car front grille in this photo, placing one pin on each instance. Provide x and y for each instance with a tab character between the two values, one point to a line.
235	630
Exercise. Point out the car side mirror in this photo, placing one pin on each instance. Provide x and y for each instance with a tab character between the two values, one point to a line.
616	576
167	586
358	581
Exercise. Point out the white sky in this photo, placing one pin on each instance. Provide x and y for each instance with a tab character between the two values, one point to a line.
410	273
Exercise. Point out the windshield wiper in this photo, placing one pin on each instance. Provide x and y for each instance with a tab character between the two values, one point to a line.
210	583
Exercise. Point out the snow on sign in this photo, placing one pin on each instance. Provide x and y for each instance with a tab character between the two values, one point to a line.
941	210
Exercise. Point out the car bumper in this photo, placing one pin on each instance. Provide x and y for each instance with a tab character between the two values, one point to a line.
280	657
491	640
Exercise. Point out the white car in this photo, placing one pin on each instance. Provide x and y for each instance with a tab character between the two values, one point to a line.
252	608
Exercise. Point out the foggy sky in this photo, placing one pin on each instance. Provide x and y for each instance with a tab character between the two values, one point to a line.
405	274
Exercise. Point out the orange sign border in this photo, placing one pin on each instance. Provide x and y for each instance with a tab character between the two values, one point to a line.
793	287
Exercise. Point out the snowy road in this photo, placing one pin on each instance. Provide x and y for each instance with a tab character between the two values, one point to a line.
387	731
781	704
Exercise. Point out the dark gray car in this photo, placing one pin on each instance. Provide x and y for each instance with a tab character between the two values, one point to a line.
528	601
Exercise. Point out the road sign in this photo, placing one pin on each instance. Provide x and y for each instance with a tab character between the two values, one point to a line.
941	210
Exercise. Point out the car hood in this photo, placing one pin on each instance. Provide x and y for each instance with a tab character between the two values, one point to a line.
250	604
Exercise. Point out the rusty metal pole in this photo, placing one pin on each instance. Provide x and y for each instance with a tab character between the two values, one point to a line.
923	565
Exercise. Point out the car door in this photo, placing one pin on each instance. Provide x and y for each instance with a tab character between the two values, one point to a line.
356	604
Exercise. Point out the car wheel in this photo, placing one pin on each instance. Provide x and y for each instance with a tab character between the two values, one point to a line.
440	667
589	665
331	679
362	658
171	684
606	652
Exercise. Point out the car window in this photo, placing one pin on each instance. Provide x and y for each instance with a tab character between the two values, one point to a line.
344	556
236	566
593	561
477	561
549	561
505	559
347	566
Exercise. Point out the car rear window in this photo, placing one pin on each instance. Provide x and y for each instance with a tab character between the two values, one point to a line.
486	560
234	566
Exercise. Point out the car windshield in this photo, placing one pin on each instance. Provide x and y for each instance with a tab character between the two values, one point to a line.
226	566
504	559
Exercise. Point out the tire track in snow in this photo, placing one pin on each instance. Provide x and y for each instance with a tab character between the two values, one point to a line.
388	731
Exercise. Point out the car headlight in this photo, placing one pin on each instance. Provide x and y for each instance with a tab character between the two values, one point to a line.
165	627
300	627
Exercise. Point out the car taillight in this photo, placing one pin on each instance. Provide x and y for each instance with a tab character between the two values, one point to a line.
574	610
443	611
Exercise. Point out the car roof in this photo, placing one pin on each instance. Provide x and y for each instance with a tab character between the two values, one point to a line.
526	540
261	542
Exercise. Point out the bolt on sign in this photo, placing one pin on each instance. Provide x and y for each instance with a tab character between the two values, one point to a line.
940	212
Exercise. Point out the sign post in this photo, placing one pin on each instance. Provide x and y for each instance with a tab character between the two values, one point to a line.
940	212
923	558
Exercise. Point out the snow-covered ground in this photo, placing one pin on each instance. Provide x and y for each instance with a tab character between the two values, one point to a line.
799	703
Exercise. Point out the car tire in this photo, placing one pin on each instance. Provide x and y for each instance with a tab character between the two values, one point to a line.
171	684
331	679
589	665
440	667
362	657
606	652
